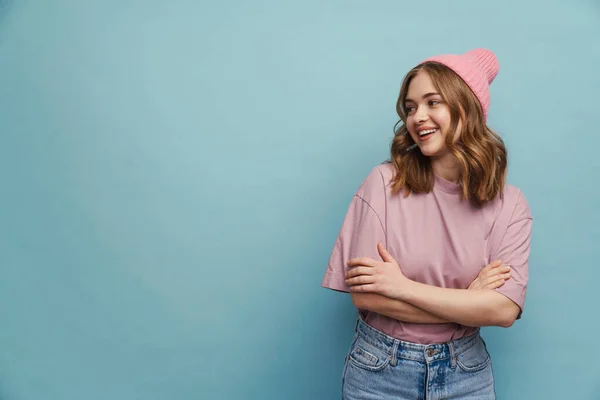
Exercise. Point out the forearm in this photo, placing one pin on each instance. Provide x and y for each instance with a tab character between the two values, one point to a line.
393	308
467	307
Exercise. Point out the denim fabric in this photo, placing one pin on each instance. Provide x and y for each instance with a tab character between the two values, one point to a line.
381	367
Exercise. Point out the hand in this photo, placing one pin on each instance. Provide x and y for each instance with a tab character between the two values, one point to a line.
492	276
370	276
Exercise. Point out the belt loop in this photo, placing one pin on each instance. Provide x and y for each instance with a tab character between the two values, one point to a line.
394	355
452	354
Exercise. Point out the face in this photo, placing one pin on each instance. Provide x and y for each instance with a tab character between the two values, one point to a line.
428	116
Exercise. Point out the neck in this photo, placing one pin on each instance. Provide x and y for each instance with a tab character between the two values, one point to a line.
446	167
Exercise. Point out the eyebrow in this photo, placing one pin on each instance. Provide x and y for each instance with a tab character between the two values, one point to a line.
426	95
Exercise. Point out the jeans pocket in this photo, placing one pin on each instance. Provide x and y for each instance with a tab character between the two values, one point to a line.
475	358
366	356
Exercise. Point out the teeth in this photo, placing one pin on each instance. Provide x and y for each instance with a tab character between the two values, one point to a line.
428	131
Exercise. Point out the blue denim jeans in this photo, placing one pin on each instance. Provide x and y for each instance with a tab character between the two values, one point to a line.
381	367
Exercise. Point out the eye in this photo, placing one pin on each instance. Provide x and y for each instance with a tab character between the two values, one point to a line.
434	102
409	108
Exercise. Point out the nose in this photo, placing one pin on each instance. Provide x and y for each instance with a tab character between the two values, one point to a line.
421	114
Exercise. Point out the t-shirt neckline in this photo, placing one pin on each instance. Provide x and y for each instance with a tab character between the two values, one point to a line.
446	186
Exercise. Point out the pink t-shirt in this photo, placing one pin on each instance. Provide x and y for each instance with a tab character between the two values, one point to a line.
438	239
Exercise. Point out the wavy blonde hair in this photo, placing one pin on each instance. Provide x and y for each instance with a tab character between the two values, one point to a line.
480	151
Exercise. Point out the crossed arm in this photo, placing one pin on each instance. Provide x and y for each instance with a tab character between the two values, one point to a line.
381	287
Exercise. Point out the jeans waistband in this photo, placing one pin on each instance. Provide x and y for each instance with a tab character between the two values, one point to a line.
415	351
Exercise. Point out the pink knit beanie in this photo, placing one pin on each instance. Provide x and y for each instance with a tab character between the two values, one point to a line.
477	68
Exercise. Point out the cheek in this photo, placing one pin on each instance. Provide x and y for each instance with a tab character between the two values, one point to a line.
442	119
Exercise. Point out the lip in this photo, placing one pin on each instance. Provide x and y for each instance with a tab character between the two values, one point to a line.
426	128
426	138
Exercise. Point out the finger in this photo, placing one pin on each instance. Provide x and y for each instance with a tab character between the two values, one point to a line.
364	261
505	276
385	256
491	281
502	269
360	280
495	278
493	264
495	284
357	271
489	267
369	288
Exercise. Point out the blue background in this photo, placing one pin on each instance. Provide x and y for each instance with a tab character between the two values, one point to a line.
173	176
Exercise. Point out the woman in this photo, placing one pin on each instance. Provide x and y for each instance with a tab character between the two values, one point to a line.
417	234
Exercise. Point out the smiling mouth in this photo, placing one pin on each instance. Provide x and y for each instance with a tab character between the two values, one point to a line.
428	132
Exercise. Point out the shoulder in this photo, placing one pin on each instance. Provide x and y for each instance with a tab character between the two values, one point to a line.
515	202
505	210
376	182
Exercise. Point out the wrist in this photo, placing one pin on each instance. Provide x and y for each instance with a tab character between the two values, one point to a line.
405	291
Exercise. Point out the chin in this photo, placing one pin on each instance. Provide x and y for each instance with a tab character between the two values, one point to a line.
434	147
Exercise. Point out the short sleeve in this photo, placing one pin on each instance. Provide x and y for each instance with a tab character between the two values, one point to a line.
514	251
362	229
